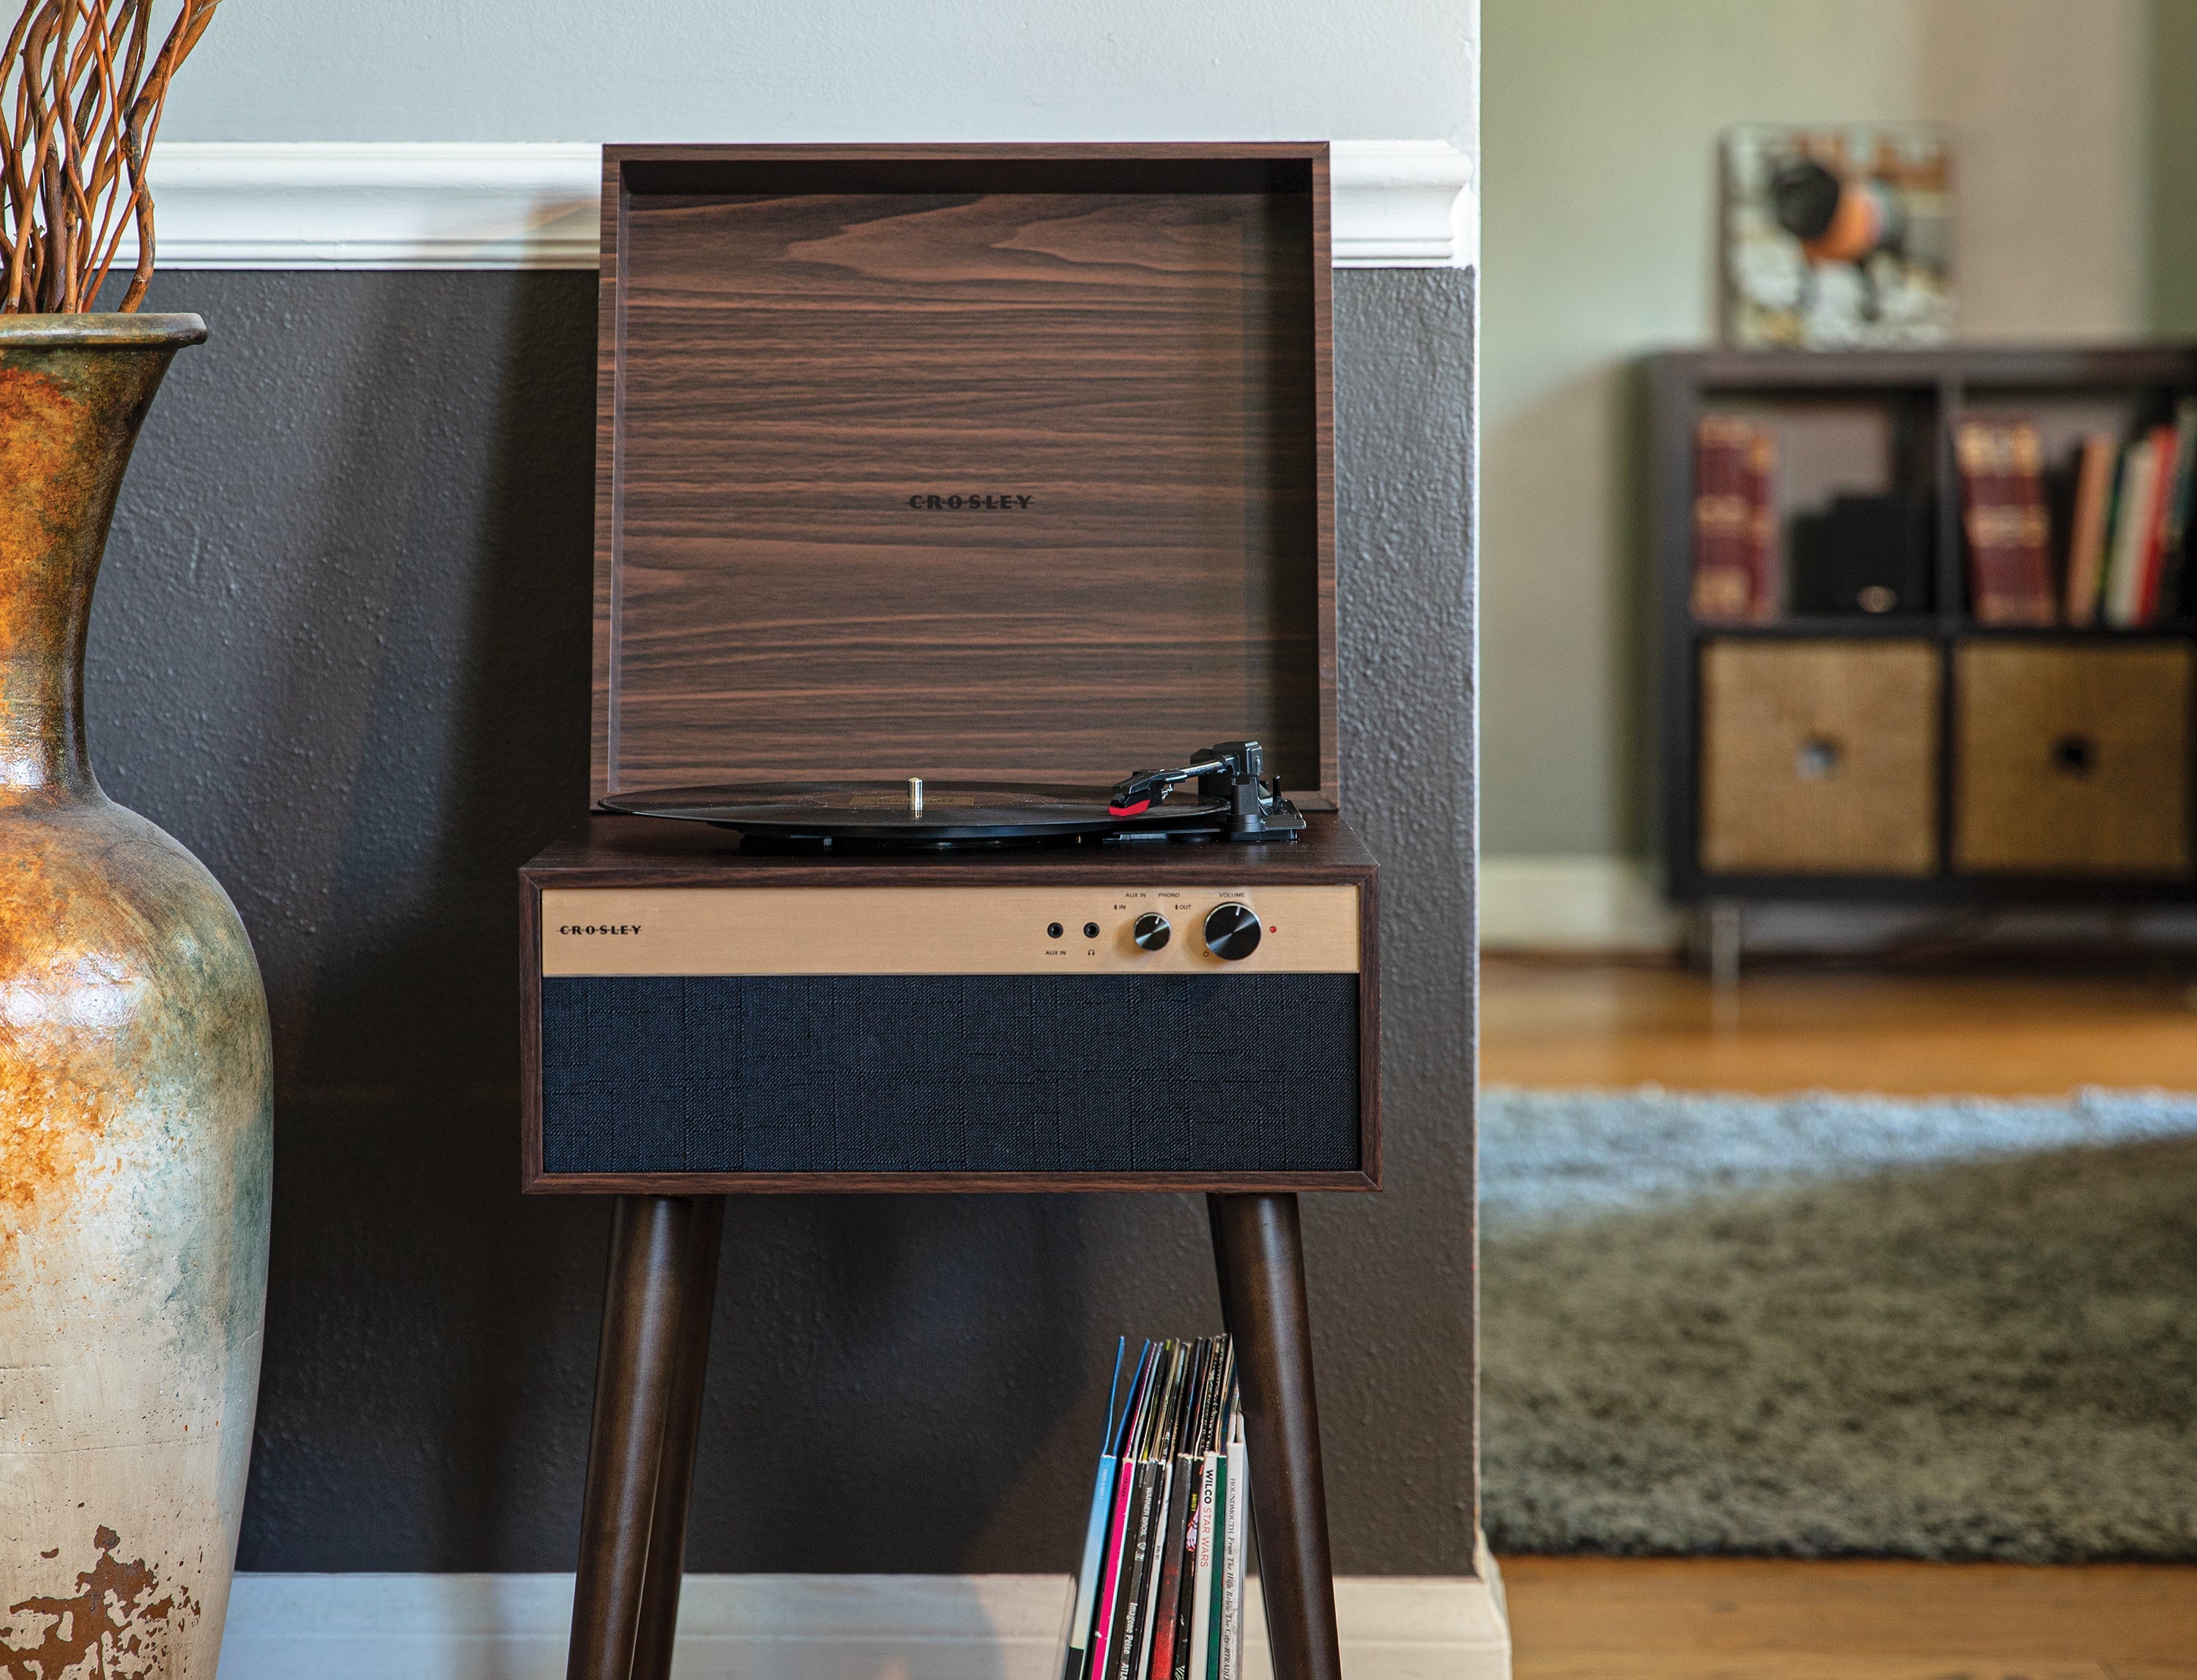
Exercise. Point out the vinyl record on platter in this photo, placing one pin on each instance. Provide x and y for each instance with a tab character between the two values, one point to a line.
896	812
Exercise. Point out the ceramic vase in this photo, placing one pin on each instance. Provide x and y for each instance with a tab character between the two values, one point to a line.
135	1094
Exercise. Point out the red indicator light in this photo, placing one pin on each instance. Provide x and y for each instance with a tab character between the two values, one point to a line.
1271	927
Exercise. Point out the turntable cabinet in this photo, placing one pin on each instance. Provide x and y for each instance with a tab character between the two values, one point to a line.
975	463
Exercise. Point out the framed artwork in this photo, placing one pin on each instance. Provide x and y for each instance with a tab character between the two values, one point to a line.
1836	236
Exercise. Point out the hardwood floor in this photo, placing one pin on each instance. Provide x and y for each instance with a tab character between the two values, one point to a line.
1568	1024
1748	1619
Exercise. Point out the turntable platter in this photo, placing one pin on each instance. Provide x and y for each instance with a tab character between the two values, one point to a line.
913	814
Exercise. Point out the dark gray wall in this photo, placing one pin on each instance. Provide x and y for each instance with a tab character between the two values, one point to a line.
341	650
1408	1262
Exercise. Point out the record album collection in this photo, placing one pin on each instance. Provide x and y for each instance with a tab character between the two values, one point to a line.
1160	1594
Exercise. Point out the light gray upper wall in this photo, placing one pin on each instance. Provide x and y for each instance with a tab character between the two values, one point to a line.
833	70
1598	243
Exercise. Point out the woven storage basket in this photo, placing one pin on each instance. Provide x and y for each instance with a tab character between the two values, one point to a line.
2072	759
1819	757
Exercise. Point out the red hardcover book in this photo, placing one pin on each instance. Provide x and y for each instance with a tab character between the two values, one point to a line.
1734	522
2166	452
2009	531
1757	473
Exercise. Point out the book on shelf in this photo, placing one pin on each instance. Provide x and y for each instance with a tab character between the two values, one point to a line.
1735	520
1159	1594
2147	473
2086	542
2003	517
2164	450
2127	546
2165	599
2124	550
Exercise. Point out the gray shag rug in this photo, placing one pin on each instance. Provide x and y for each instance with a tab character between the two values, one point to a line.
1826	1326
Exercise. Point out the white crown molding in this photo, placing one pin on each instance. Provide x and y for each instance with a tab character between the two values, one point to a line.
801	1627
531	204
1402	204
378	205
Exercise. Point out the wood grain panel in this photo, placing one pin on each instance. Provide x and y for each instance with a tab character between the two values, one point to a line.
2073	758
1128	392
601	747
1819	757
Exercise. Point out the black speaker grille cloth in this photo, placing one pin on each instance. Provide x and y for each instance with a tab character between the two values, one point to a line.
970	1072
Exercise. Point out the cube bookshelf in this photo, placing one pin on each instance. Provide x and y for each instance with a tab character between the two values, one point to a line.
1917	757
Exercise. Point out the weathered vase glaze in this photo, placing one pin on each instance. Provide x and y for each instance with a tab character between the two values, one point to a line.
135	1122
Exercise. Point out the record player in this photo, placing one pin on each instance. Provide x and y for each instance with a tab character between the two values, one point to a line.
773	986
938	489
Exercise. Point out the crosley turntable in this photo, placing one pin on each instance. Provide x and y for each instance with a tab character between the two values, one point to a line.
938	486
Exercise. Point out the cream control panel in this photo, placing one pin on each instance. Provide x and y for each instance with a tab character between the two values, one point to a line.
1223	928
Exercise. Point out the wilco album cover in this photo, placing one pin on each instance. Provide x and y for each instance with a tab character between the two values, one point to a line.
1836	237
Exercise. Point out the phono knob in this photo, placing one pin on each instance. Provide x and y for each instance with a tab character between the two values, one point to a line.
1151	931
1232	932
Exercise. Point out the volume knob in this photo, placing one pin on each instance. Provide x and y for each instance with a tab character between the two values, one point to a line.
1150	932
1232	932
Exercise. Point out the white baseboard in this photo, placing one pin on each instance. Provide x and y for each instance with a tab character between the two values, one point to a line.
1615	904
798	1627
532	205
1573	903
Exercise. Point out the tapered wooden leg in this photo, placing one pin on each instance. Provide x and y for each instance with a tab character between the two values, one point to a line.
682	1427
1260	1254
644	1308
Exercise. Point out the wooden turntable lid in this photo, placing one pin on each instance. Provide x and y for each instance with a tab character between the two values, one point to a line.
1000	463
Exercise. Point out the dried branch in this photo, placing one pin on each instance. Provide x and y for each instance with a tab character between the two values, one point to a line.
81	95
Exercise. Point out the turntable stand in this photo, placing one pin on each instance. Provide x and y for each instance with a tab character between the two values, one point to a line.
989	463
665	1233
648	1415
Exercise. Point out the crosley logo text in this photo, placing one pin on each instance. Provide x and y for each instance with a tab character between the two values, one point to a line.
933	504
574	927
